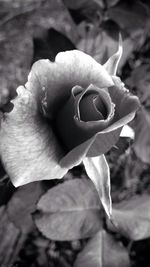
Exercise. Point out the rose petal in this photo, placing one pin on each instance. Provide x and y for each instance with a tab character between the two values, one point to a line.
126	104
103	142
88	110
107	138
103	98
99	144
58	78
127	131
98	171
28	147
112	64
125	109
69	124
78	94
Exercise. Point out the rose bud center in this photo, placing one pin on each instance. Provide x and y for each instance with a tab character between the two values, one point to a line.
84	114
92	108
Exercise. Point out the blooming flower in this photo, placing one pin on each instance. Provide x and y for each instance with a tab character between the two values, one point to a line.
69	111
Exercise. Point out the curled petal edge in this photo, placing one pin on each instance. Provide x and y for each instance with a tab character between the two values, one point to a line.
57	78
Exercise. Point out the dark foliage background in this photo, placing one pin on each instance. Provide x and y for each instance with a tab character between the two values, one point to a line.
35	29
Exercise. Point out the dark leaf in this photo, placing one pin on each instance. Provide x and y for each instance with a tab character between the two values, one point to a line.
11	239
69	211
2	171
22	204
140	79
103	251
50	44
6	190
130	16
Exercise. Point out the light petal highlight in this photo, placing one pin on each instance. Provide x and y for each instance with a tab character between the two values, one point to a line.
112	63
98	171
127	131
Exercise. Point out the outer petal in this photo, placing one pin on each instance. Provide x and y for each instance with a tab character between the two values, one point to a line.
58	78
126	106
95	146
28	147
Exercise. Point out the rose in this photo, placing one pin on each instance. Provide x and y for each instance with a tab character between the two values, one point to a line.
87	112
70	111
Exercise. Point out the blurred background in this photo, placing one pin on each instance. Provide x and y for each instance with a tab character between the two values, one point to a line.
37	29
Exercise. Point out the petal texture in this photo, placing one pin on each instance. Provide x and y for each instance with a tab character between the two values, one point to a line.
28	147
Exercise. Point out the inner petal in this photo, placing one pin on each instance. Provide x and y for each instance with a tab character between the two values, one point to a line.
88	109
94	105
101	106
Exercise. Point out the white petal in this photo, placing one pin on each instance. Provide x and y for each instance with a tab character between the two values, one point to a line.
127	131
28	147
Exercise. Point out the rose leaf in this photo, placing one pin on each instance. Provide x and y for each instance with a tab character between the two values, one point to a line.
98	171
71	210
132	218
49	45
103	251
140	79
131	17
22	204
142	141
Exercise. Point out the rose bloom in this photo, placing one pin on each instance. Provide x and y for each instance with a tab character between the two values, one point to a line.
69	111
